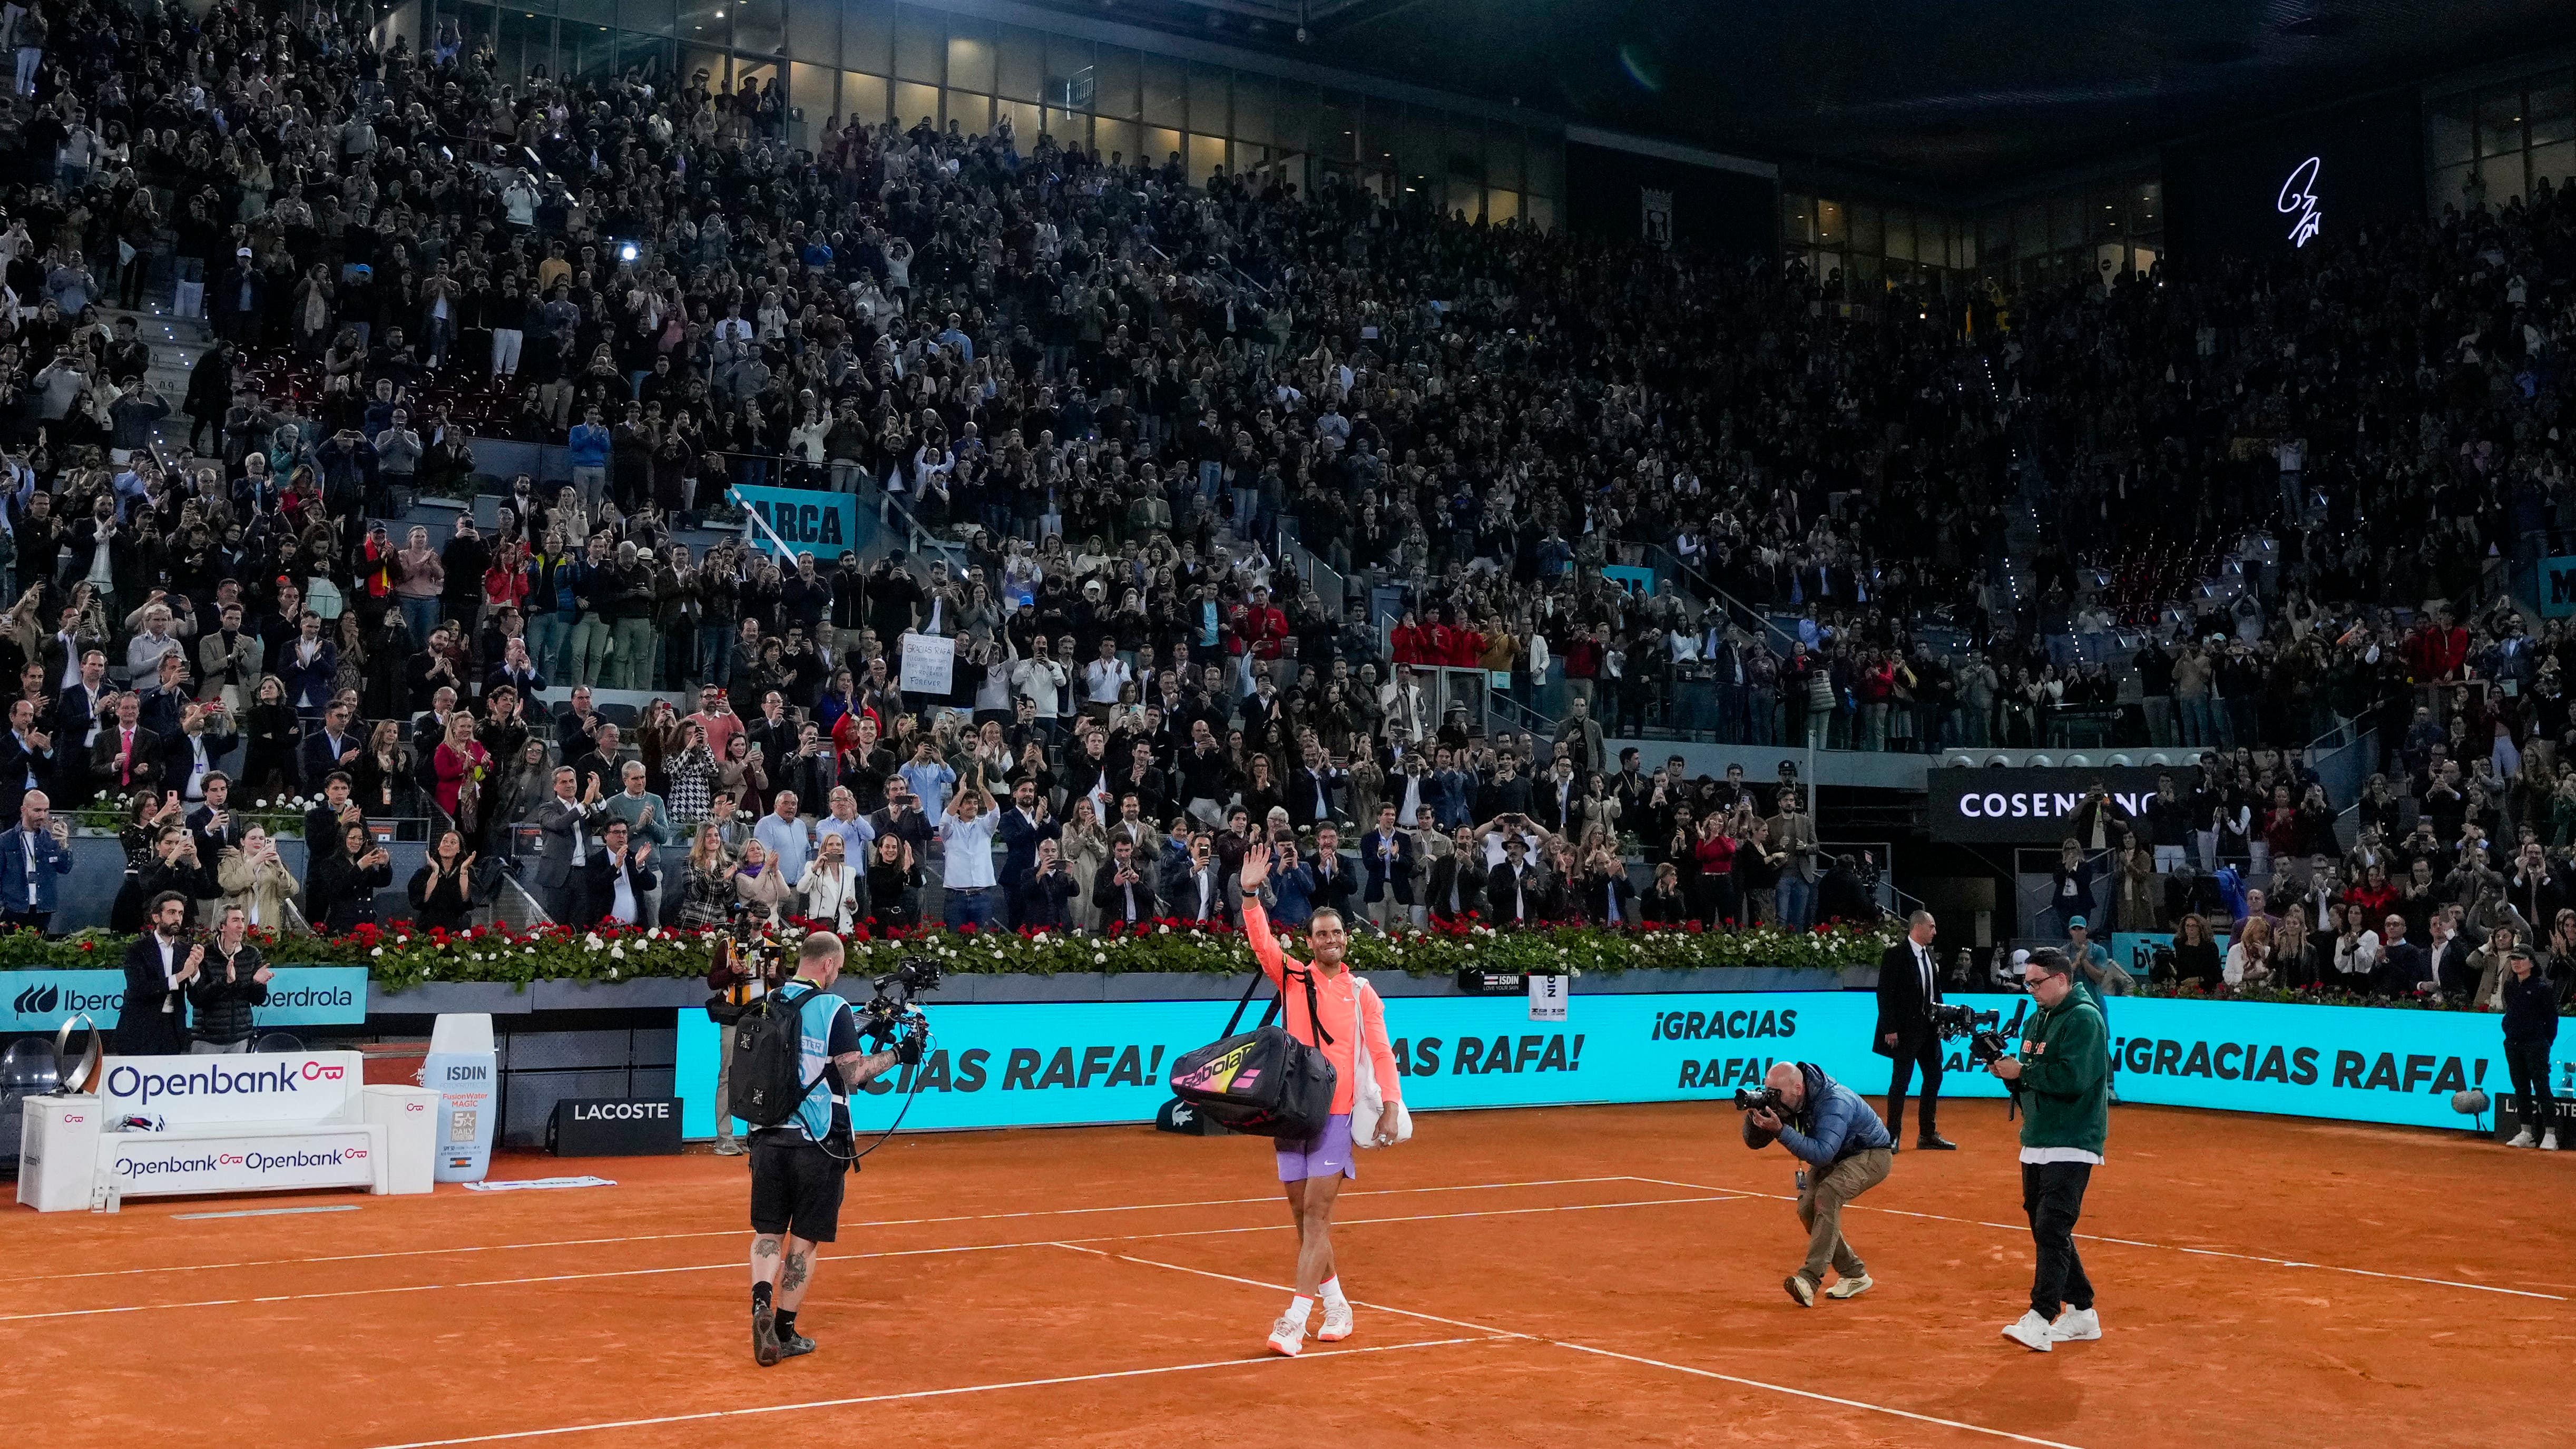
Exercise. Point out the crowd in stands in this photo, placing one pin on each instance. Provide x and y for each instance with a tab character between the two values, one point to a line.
1107	392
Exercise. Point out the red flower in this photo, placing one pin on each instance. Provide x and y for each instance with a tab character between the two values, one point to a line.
89	945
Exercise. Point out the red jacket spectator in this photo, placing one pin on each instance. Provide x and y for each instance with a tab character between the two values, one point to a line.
2439	650
1406	643
1257	630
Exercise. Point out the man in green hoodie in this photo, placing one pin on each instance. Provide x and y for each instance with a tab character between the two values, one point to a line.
2063	1075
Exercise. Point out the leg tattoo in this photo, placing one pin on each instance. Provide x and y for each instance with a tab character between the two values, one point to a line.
798	1266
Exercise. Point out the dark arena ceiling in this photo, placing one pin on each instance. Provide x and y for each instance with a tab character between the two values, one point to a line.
1961	95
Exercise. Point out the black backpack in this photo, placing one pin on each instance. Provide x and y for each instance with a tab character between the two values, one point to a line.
767	1082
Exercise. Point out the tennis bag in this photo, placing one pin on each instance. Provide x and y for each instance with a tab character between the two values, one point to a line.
1263	1082
767	1083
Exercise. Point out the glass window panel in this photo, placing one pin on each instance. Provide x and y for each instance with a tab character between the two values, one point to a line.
1994	236
703	22
601	13
2450	187
2065	222
813	32
759	26
2449	134
1965	253
1900	234
526	43
2554	163
919	47
915	103
1159	142
649	56
1070	128
1207	156
973	113
1503	160
1249	159
1864	269
1866	234
1115	139
647	17
1336	130
1025	122
588	51
2553	114
2148	211
1253	110
867	37
2503	177
1071	83
1502	206
1116	88
747	72
1541	212
1166	96
2500	124
1797	219
1831	229
863	97
970	59
1546	157
816	91
1020	65
1210	114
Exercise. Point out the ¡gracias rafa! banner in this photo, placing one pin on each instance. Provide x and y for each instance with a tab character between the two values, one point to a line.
1067	1064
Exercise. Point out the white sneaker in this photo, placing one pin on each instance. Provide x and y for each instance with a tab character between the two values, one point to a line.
1337	1323
1851	1287
2076	1325
2030	1331
1287	1337
2549	1140
2521	1138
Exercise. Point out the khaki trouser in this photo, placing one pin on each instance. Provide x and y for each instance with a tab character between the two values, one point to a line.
1820	1210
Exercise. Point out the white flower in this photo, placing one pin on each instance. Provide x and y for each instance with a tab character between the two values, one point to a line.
402	940
1162	930
1039	939
612	973
1100	958
616	953
377	952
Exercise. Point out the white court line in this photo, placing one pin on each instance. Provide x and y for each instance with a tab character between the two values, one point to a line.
1498	1334
916	1394
832	1258
739	1232
2134	1243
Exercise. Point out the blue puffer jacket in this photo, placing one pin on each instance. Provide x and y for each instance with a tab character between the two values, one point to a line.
1833	1123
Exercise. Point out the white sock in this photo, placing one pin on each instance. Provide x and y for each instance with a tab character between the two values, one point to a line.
1298	1308
1331	1292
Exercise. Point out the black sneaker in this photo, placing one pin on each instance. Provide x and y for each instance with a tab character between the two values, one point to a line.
1935	1144
764	1337
795	1346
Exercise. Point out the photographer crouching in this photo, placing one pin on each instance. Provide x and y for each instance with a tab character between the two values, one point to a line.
2063	1081
1847	1150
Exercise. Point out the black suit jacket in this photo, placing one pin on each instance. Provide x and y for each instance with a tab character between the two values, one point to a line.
146	762
599	885
142	1027
1902	1006
178	761
317	759
16	763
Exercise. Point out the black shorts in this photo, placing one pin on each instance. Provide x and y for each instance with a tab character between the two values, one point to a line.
795	1187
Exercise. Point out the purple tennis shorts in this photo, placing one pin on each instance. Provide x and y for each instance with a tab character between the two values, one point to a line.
1326	1154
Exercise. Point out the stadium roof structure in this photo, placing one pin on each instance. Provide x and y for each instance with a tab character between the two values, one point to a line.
1954	95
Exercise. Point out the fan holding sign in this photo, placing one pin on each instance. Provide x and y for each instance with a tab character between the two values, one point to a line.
929	666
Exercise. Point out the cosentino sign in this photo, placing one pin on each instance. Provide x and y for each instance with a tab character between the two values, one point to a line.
2029	807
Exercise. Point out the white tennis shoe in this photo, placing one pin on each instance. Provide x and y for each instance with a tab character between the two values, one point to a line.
2076	1325
1287	1337
2031	1331
1337	1323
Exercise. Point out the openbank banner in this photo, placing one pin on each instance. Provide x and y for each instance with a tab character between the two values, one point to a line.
297	996
246	1087
145	1165
2025	806
1078	1063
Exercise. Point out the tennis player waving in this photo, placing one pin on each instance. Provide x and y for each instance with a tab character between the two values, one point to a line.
1368	1100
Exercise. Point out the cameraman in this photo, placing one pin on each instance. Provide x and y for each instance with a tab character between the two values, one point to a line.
1847	1151
796	1167
2063	1077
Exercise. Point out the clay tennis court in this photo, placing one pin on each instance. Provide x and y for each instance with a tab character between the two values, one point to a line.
1580	1276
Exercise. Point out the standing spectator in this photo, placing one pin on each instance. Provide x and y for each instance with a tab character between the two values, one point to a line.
232	981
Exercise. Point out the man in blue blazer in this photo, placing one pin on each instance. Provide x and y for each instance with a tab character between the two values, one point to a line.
32	853
1386	854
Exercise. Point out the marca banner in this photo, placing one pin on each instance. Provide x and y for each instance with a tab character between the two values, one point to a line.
249	1087
2557	587
807	520
2026	806
1068	1064
148	1165
297	996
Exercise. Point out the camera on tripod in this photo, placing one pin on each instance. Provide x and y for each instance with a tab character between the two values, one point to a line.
1989	1035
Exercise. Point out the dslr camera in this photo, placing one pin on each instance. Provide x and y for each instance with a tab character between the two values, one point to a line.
1754	1099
